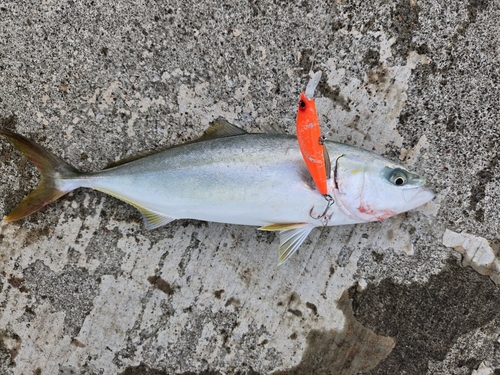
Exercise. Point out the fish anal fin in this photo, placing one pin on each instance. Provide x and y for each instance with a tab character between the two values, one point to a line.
152	219
282	226
290	241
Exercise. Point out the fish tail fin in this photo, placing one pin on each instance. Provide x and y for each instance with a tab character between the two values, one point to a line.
53	171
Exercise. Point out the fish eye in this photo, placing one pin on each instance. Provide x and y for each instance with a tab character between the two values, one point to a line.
398	177
302	104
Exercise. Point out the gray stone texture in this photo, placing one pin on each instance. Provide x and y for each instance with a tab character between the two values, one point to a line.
85	289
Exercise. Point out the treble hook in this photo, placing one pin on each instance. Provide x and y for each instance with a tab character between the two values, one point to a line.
323	217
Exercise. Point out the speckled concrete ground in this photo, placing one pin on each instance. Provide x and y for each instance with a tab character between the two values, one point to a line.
85	289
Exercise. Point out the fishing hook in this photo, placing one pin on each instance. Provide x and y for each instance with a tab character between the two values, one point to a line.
330	201
323	217
335	171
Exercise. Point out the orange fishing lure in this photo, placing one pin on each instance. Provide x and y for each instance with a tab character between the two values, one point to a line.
309	137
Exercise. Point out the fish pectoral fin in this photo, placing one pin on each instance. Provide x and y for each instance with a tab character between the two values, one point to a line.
328	163
290	241
153	220
282	226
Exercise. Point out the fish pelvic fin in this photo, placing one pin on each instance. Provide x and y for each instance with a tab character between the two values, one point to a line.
292	235
290	241
153	220
52	170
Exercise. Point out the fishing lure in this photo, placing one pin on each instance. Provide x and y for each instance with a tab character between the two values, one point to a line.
311	143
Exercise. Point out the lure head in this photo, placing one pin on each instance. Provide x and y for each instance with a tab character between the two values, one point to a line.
369	187
307	108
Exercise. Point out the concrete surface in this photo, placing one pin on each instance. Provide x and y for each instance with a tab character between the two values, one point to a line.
85	289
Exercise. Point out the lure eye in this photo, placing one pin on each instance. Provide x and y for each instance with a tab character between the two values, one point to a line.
398	178
302	104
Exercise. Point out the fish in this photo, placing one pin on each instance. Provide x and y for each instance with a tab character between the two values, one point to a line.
231	176
308	132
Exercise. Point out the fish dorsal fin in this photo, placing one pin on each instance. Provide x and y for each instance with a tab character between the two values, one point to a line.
292	235
271	129
219	128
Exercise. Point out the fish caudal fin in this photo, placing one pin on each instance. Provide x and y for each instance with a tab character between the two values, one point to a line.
52	170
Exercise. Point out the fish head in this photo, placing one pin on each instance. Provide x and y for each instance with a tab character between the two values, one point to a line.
368	187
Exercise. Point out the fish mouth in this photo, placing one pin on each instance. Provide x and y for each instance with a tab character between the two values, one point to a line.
418	195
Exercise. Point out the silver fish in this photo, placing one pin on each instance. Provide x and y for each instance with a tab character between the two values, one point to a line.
231	176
